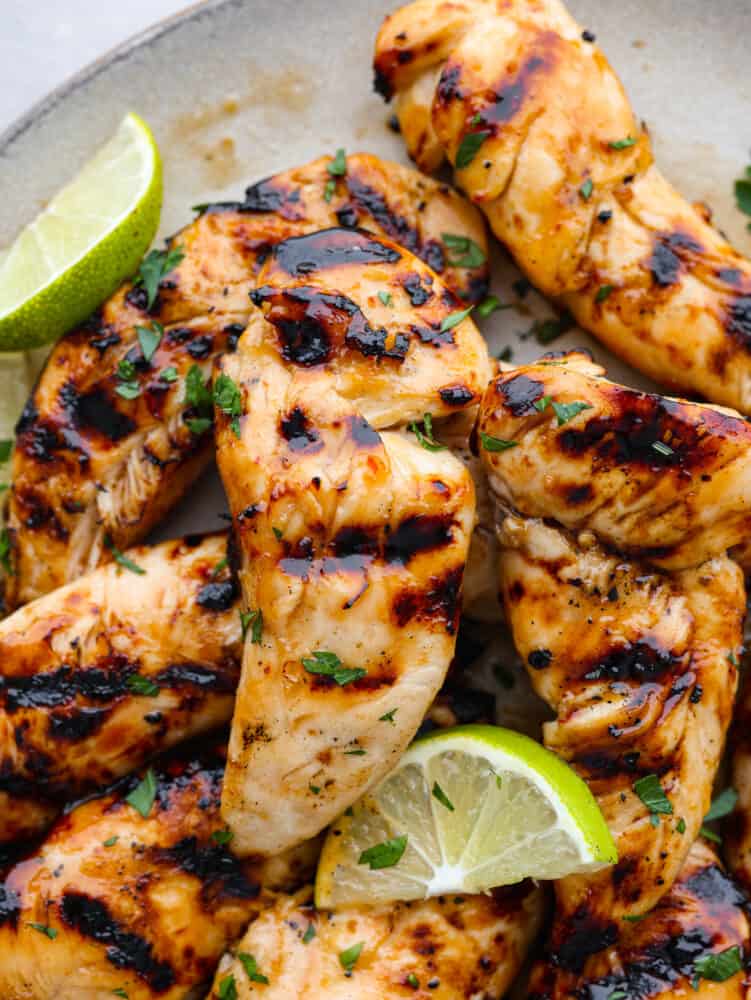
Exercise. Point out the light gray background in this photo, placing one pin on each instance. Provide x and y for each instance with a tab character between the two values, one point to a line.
43	42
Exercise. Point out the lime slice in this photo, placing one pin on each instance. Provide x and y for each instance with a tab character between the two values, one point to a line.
88	239
479	806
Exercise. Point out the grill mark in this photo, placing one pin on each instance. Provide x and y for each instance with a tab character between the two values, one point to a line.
104	338
418	534
418	295
642	661
330	248
55	688
96	410
296	429
201	347
195	675
221	874
583	937
219	595
91	918
439	601
372	343
738	320
456	395
76	725
666	261
519	394
716	888
10	907
270	195
374	203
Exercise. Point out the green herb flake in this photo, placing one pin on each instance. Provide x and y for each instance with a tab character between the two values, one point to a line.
424	434
220	566
310	933
490	305
198	392
681	825
49	932
315	789
222	837
198	425
122	560
168	374
386	298
626	143
542	404
128	390
338	166
278	533
470	147
743	194
732	658
384	855
127	377
719	967
155	266
228	988
662	449
604	292
143	795
6	447
252	620
463	251
120	992
586	189
357	752
110	841
439	794
567	411
228	399
149	338
454	319
618	995
722	805
389	716
635	918
328	664
652	794
5	552
545	331
250	965
348	958
708	834
491	443
139	684
329	189
413	981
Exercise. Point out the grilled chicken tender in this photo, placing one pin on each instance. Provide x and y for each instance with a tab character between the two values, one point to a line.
544	140
115	901
353	536
96	466
662	478
107	671
703	915
448	948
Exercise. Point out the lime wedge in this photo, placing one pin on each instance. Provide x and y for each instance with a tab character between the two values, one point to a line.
466	809
88	239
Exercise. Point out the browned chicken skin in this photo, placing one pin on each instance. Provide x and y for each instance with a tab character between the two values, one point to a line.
353	536
109	670
93	468
113	900
703	914
544	140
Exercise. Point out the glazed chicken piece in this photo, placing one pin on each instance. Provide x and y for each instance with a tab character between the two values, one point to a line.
107	671
662	956
112	436
543	139
353	532
115	900
662	478
447	948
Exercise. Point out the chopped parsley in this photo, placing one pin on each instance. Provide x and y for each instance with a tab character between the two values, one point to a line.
143	795
439	794
708	834
626	143
48	931
604	292
413	981
121	559
338	166
389	716
717	967
469	147
229	400
384	855
454	319
463	251
168	374
6	447
586	189
329	189
386	298
348	958
732	659
149	337
542	404
662	449
228	988
252	620
491	443
278	533
155	266
743	194
489	305
250	965
357	752
127	380
198	392
5	552
652	794
681	825
328	664
110	841
545	331
618	995
567	411
723	805
315	789
222	837
120	992
139	684
220	566
198	425
310	933
424	435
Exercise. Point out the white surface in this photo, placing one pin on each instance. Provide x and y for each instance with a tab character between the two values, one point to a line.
44	42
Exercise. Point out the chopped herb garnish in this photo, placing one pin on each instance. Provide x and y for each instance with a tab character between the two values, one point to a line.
439	794
462	251
328	664
49	932
121	559
120	992
315	789
604	292
229	400
681	825
545	331
491	443
357	752
329	189
168	374
338	166
413	981
198	425
149	338
310	933
663	449
228	988
198	392
278	534
454	319
220	566
127	386
143	795
110	841
732	658
743	194
635	918
348	958
567	411
618	995
652	794
128	390
586	189
722	805
384	855
251	968
252	620
389	716
470	146
718	967
424	435
386	298
222	837
6	447
489	305
623	143
705	832
542	404
5	552
139	684
155	266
